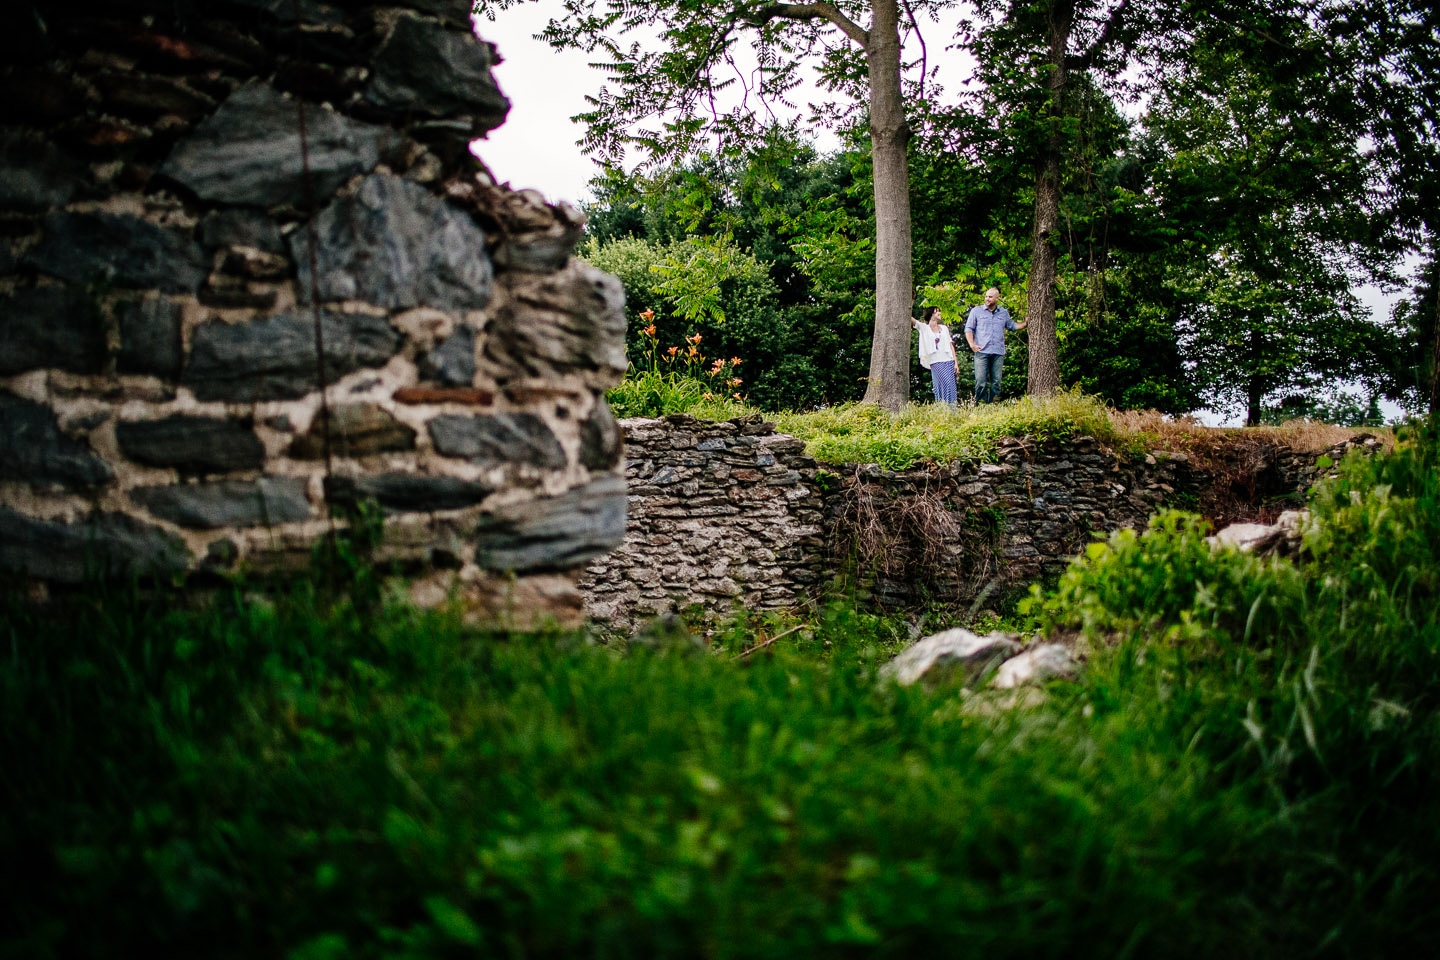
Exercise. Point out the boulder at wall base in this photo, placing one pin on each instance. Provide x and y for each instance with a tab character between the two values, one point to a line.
190	444
496	439
424	67
409	493
33	449
248	151
273	358
1046	661
956	647
555	533
111	545
269	501
56	326
395	244
120	250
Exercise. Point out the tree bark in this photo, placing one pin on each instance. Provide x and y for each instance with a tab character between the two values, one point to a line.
889	380
1044	372
1435	348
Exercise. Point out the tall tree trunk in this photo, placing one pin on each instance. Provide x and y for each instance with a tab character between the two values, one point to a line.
1254	384
889	382
1435	346
1044	371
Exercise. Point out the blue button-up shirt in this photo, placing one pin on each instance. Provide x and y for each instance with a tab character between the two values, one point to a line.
989	328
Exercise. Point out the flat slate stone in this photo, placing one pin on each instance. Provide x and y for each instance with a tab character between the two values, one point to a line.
602	442
105	546
495	439
452	363
248	151
395	244
190	444
150	338
120	250
273	358
33	449
356	429
35	175
56	326
410	493
570	320
269	501
240	228
427	68
556	533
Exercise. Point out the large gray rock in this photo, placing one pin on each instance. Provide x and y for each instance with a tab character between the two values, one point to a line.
106	545
33	449
452	362
248	151
120	250
274	358
495	439
556	533
423	67
190	444
395	244
150	338
228	503
957	648
56	326
1046	661
567	321
410	493
34	174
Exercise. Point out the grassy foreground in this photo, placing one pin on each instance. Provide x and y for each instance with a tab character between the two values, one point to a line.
1247	768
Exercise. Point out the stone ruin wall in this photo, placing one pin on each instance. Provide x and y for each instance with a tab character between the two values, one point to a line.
160	403
725	516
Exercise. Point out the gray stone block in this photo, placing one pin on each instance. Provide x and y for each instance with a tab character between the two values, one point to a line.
105	545
556	533
601	441
248	151
35	175
150	338
190	444
55	326
452	363
274	358
410	493
495	439
120	250
269	501
424	67
356	430
240	228
33	449
395	244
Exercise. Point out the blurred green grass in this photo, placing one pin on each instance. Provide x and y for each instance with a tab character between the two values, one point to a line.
1246	767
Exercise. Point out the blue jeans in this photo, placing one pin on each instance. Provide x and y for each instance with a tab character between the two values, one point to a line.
987	376
942	381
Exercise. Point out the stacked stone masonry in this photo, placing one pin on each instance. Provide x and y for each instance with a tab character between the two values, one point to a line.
177	179
730	516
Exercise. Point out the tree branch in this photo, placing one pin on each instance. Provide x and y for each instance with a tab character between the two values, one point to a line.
1087	59
819	10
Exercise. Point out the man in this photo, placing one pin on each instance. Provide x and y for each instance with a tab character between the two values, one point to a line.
985	332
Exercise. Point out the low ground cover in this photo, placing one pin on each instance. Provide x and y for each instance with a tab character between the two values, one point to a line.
1246	767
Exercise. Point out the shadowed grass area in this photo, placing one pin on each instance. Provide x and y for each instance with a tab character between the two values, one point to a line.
1246	768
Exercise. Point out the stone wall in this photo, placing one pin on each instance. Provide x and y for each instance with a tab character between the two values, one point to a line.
177	179
732	515
720	515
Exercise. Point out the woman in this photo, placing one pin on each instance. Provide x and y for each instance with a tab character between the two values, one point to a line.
937	354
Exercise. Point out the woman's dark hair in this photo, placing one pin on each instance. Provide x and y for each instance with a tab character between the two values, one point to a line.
927	313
